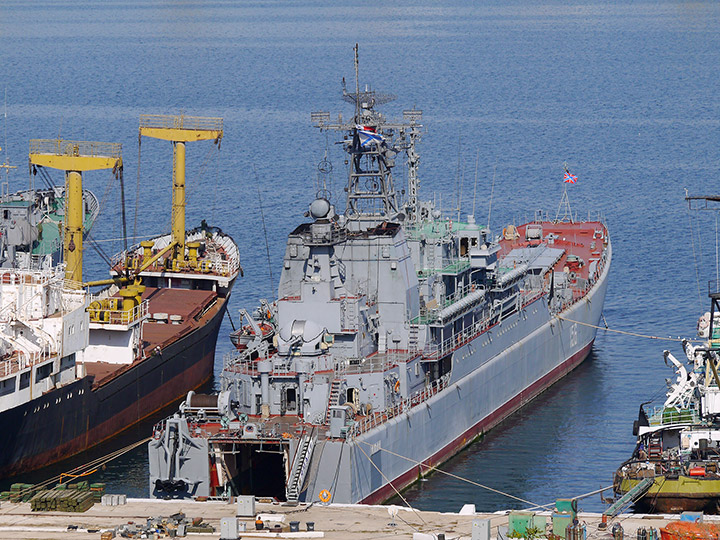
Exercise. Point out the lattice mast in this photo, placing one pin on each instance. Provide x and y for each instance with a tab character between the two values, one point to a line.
373	144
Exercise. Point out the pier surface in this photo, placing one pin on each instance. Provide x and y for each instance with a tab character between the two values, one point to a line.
335	522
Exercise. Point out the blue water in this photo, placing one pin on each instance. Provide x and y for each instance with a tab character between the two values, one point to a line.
625	92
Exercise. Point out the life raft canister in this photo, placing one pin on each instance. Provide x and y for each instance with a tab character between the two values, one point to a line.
697	471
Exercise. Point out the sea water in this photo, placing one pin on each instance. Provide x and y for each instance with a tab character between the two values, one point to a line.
625	93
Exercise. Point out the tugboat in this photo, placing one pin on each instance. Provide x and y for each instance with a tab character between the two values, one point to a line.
78	368
678	443
401	336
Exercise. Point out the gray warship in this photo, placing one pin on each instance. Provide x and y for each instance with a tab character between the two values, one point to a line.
399	336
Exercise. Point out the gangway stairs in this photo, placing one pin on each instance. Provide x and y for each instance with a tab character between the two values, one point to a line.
640	489
300	467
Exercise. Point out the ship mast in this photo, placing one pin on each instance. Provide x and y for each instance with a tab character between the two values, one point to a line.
180	130
373	144
74	157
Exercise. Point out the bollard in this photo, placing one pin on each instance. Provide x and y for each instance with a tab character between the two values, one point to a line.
294	526
310	525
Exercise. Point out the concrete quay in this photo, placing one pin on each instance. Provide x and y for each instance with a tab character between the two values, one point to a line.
332	522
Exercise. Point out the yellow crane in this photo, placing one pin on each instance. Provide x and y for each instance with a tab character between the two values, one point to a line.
180	129
74	157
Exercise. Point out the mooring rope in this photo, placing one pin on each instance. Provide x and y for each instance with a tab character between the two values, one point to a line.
635	334
392	485
86	468
455	476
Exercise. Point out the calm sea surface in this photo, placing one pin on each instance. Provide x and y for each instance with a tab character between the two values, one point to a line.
625	92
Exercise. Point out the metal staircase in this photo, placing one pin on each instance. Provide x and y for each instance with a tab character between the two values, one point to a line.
299	469
333	398
640	489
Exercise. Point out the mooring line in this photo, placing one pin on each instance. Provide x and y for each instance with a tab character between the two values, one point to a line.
635	334
392	485
86	468
472	482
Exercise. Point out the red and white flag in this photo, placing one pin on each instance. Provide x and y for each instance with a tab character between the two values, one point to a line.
569	178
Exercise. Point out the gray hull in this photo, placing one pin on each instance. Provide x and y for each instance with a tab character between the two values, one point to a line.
493	375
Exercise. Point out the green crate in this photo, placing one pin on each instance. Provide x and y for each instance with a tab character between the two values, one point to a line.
560	521
520	522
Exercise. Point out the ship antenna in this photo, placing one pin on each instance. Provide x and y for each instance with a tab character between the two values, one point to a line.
357	85
717	258
6	163
262	217
492	191
459	181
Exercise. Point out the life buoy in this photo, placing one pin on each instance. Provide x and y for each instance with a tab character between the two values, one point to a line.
325	496
397	387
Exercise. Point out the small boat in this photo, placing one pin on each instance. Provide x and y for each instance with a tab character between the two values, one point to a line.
260	325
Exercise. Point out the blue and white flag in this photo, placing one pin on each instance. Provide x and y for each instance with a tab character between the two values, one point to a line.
368	135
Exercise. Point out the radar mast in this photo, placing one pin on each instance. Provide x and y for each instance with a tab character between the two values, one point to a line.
373	144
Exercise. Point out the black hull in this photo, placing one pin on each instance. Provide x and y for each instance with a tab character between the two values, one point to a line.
74	418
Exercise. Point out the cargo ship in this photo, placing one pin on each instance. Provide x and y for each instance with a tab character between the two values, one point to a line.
399	336
78	368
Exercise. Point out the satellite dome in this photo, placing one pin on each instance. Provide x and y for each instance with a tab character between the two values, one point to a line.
319	208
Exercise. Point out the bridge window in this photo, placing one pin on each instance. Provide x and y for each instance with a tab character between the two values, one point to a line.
7	386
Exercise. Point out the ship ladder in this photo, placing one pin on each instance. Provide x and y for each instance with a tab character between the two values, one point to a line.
299	469
413	338
333	398
640	489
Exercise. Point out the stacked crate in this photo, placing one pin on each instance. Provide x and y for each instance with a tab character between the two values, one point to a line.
98	490
63	500
18	493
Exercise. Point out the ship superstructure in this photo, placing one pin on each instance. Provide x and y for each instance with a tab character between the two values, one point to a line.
398	336
78	368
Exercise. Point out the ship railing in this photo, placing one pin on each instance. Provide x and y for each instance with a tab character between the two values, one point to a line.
24	359
119	316
282	366
134	258
431	314
449	266
16	276
375	419
169	121
491	317
61	147
540	216
580	293
670	416
325	238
